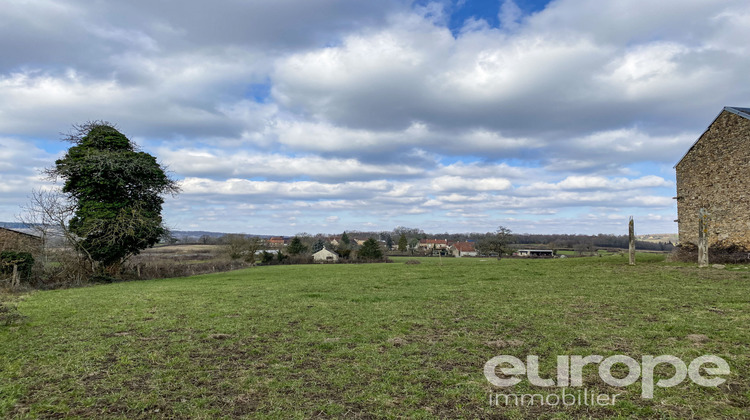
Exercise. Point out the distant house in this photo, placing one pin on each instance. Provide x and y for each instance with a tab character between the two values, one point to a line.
535	253
428	244
277	241
325	255
334	240
715	174
14	240
463	249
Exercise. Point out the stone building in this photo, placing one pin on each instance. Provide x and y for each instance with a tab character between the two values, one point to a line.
13	240
715	174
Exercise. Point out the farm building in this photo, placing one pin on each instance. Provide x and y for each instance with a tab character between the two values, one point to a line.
463	249
535	253
715	174
13	240
325	255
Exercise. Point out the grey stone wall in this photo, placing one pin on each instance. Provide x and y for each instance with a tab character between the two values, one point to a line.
14	241
715	174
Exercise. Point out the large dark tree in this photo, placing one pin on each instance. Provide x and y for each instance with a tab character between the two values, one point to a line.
117	191
370	250
296	247
402	243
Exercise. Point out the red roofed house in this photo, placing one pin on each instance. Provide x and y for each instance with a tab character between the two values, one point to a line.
463	249
275	241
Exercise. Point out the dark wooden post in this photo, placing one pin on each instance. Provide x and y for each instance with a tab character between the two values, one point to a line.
703	238
631	232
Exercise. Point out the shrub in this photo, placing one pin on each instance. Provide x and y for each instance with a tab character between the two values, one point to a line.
266	258
23	261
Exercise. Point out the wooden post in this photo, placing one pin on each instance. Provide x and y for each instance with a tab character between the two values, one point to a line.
15	280
631	233
703	238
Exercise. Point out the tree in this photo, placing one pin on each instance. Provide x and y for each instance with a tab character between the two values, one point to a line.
413	243
370	250
496	243
296	246
402	243
242	247
318	245
117	194
389	242
345	239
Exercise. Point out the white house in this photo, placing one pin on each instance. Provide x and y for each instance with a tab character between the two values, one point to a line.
325	255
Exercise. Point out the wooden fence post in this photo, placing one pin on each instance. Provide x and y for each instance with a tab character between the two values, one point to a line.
631	232
15	280
703	238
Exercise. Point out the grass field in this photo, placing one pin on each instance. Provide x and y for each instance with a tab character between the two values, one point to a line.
371	341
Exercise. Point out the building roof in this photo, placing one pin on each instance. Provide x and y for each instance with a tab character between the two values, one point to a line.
21	233
327	251
464	246
742	112
433	241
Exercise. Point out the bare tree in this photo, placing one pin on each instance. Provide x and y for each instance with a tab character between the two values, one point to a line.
496	243
242	247
48	213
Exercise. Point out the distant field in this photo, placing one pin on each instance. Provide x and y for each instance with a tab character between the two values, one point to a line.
379	340
659	237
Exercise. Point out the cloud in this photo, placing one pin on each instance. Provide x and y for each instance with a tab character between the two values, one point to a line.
551	80
375	114
582	182
455	183
20	173
254	164
296	190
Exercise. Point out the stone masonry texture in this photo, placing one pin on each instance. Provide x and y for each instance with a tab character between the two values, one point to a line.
715	174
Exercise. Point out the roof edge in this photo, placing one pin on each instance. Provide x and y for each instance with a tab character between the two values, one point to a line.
742	112
21	233
739	111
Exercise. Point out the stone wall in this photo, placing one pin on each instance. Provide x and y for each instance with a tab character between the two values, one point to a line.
15	241
715	174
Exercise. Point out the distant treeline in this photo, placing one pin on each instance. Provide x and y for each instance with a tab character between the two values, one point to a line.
550	241
596	241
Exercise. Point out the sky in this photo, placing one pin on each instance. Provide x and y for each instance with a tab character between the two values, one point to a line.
288	116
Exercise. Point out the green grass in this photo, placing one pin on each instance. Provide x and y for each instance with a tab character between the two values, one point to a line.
378	340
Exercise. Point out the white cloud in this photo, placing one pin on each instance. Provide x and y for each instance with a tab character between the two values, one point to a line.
299	189
582	182
455	183
213	163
